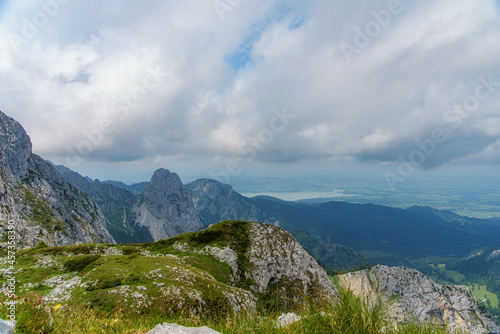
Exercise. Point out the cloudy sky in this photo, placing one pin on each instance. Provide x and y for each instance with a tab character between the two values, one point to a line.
115	89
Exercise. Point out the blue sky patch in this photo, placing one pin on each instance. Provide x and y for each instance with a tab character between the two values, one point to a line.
3	5
243	55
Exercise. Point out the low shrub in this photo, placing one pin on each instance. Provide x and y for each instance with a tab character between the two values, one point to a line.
78	263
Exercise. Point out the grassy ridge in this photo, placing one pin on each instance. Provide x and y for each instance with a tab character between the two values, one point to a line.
101	288
348	315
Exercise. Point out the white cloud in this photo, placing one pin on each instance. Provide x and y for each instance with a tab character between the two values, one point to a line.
80	68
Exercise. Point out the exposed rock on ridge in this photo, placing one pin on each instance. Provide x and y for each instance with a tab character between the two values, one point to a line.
494	255
215	202
166	208
264	259
33	193
419	297
186	275
276	256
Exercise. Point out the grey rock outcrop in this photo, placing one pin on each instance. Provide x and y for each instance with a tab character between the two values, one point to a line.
275	256
494	255
264	259
6	327
215	202
167	328
35	195
415	295
166	208
285	320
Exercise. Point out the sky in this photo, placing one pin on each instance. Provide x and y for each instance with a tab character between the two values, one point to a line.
228	88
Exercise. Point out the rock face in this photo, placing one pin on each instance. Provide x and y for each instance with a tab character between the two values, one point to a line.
166	208
494	255
215	202
35	195
116	205
264	259
416	295
276	256
167	328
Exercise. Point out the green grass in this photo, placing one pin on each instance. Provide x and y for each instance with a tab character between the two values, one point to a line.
454	275
445	276
481	292
348	315
41	212
156	271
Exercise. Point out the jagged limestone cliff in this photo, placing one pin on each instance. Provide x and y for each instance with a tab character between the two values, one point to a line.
215	202
412	295
36	197
166	208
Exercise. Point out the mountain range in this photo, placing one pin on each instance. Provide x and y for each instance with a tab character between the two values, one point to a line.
55	206
70	207
212	200
35	195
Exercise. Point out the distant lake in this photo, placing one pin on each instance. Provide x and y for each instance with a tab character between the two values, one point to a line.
300	195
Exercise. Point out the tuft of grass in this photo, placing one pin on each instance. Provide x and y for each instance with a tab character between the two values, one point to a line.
347	315
42	213
351	314
33	316
78	263
93	309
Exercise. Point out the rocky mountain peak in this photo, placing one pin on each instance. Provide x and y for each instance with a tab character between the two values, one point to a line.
264	259
33	192
165	190
166	207
216	201
212	188
15	146
162	184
